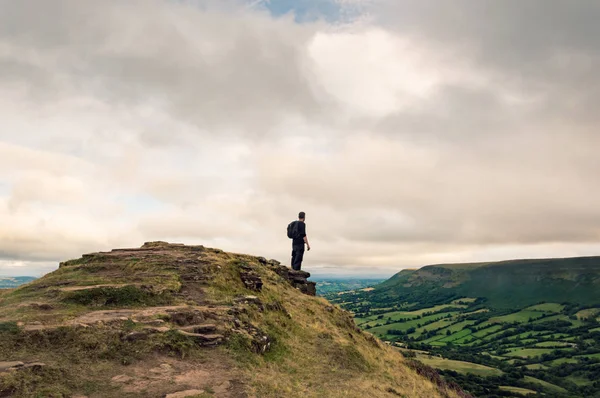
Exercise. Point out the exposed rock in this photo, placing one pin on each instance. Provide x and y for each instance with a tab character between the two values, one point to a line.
184	394
262	260
204	339
249	300
34	365
162	369
207	328
17	365
153	322
121	379
250	278
298	279
5	366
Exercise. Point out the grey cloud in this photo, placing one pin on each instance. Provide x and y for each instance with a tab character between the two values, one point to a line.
212	69
167	104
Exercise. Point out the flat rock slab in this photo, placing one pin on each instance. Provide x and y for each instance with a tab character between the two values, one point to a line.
184	394
89	287
4	366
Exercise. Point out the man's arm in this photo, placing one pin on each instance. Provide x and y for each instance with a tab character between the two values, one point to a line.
306	241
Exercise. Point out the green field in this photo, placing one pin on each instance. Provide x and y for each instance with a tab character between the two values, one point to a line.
487	331
458	366
529	352
519	317
557	344
546	307
404	326
529	341
518	390
549	386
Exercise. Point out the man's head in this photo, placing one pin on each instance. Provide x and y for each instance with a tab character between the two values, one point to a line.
301	216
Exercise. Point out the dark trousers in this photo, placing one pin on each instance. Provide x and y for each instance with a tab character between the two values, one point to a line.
297	256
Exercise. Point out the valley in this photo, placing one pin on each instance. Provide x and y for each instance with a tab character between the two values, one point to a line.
489	346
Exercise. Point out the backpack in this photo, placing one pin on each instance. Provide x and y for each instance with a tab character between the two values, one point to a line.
292	230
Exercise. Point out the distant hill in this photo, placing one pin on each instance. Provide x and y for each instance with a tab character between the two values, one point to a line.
504	284
168	320
9	282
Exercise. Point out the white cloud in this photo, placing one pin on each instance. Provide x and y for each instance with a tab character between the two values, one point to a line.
215	124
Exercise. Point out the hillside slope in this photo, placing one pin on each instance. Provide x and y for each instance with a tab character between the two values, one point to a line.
505	284
175	321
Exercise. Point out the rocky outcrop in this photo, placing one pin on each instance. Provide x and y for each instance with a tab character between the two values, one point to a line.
250	278
298	279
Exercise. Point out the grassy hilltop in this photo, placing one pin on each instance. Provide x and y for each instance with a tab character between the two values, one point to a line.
510	328
173	321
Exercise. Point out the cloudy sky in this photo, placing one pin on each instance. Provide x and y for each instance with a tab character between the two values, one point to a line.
410	132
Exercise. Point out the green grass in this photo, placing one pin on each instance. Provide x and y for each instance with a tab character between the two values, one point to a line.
520	317
459	335
126	296
536	366
580	381
530	352
518	390
487	331
404	326
546	307
492	336
561	361
433	326
557	344
458	366
545	384
595	356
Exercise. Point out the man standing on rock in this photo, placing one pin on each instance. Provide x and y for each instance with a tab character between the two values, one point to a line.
297	232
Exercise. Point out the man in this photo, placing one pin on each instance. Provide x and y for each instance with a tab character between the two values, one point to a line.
298	242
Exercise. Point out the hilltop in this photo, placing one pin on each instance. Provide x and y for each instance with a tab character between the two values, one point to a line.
169	320
504	284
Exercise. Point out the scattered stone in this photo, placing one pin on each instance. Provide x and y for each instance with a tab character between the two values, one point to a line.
329	308
262	260
121	379
184	394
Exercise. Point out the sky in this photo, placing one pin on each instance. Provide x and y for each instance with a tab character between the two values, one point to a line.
410	132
